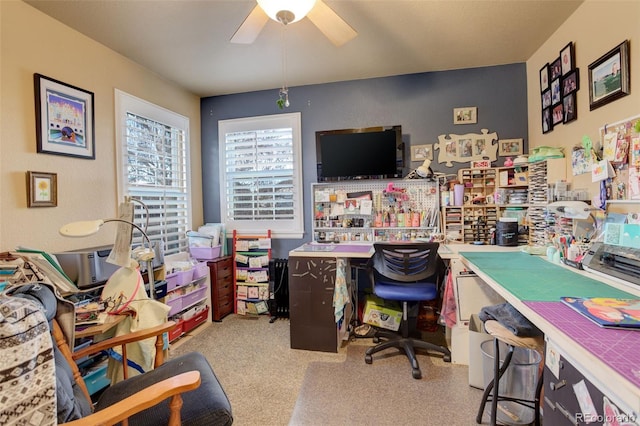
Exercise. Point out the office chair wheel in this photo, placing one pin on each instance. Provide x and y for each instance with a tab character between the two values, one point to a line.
368	359
446	358
416	373
376	339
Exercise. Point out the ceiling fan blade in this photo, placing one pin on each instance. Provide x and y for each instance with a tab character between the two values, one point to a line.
251	27
331	25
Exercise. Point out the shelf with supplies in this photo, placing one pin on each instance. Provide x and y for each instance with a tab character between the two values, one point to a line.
251	255
488	195
376	210
542	175
188	294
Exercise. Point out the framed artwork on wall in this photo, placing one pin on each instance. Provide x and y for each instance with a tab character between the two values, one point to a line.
567	59
569	108
547	124
465	115
570	82
421	152
555	69
64	119
42	189
609	76
557	114
510	147
544	77
555	91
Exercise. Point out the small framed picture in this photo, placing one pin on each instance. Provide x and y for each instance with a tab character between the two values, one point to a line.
567	59
569	108
421	152
570	83
556	69
547	124
546	98
556	94
544	78
465	115
609	76
42	189
509	147
557	114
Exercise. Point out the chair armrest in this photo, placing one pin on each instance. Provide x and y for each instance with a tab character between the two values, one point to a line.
124	339
154	394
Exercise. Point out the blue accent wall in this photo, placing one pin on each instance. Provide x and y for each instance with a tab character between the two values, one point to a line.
421	103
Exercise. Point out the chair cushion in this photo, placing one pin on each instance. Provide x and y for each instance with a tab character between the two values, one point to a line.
205	406
413	292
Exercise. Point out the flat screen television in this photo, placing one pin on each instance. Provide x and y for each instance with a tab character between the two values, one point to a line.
367	153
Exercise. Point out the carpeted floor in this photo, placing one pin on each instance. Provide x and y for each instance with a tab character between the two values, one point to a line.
385	393
268	383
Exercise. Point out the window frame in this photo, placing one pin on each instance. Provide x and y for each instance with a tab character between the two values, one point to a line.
125	103
293	228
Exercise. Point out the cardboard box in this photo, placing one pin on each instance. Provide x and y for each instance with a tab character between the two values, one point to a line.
381	313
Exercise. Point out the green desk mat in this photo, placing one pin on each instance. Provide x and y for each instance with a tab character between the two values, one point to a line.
531	278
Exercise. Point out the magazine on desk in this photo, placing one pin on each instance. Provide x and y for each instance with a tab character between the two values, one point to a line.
607	311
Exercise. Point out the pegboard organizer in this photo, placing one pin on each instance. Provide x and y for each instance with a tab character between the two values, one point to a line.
339	213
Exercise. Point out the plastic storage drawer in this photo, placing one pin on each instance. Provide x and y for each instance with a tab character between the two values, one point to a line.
177	331
196	320
96	379
193	297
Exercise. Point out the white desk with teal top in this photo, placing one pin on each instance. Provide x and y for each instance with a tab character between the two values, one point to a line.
608	359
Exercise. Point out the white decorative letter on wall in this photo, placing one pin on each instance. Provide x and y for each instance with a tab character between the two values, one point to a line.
467	148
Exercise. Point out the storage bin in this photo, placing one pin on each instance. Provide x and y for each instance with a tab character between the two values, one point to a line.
175	305
519	381
177	331
193	297
205	253
196	320
177	279
201	269
97	379
160	289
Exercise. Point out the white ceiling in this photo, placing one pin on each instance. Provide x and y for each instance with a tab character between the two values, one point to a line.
187	41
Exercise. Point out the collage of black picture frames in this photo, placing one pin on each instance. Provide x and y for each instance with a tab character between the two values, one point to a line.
559	82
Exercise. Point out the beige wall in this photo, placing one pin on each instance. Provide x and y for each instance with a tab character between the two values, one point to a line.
595	28
35	43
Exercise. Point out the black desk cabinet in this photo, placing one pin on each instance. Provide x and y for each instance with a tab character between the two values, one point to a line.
561	406
311	312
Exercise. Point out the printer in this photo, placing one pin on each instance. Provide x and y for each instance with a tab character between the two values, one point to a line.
88	267
618	255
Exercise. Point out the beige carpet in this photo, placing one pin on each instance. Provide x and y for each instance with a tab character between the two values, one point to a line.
268	383
384	393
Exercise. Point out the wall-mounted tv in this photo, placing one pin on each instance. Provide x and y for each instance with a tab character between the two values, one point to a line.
367	153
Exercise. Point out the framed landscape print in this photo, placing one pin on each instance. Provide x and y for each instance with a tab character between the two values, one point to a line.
609	76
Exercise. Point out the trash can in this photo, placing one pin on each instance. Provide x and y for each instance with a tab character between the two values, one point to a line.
477	335
519	381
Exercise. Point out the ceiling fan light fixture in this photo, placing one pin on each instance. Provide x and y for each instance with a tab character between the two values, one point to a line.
286	11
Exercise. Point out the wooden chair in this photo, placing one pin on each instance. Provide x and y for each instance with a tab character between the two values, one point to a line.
181	391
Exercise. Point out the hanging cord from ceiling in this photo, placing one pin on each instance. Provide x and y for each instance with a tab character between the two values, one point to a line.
283	98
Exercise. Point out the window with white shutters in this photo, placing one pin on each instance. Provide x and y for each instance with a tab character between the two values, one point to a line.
260	167
153	167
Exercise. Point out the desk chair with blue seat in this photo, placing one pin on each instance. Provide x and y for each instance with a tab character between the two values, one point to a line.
405	272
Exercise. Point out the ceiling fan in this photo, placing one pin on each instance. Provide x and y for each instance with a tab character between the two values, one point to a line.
289	11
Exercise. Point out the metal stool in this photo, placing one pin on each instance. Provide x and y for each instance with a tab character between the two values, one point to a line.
502	334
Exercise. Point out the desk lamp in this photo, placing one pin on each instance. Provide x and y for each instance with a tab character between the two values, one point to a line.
424	171
574	210
90	227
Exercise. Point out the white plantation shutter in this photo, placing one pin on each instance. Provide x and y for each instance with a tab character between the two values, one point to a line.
260	166
154	169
